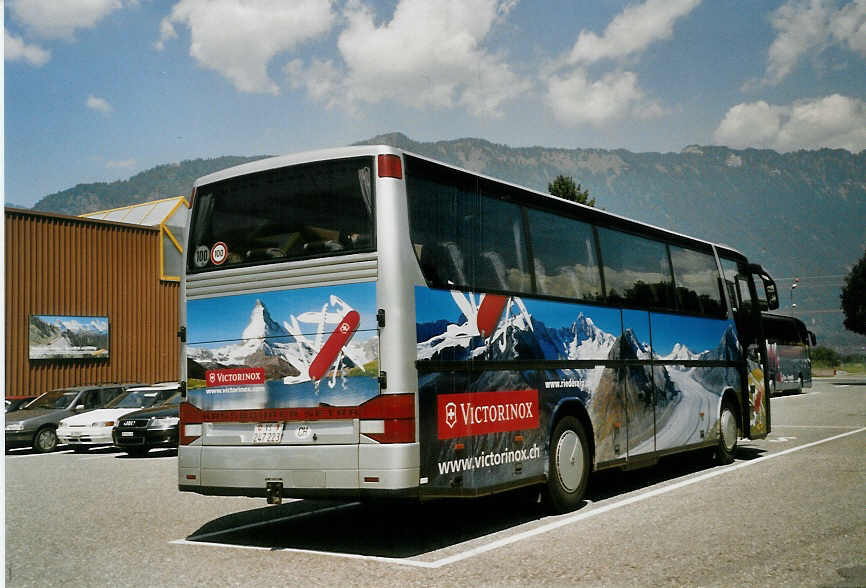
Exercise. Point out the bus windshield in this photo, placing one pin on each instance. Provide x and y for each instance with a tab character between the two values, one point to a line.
283	214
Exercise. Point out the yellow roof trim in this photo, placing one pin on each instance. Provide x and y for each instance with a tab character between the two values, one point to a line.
152	204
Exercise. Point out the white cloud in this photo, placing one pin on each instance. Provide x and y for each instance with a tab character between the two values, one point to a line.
807	28
100	105
848	26
632	31
429	55
59	19
575	99
239	39
833	121
15	49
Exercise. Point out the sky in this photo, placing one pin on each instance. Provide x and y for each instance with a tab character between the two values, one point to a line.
99	90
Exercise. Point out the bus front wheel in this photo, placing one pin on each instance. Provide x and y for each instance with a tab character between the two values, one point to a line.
569	464
727	433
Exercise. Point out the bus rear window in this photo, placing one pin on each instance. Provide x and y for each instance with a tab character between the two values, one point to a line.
290	213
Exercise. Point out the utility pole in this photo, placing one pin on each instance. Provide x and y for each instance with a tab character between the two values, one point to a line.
795	283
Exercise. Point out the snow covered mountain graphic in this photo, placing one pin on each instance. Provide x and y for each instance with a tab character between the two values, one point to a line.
517	335
287	351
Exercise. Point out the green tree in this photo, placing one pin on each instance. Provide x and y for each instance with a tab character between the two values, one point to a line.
854	298
825	356
564	187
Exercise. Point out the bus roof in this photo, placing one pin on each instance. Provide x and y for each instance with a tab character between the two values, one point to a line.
529	195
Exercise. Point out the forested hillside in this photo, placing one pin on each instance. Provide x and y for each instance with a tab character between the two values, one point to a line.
800	214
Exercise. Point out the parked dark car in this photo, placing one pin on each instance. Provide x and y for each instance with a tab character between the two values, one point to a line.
36	425
14	403
138	432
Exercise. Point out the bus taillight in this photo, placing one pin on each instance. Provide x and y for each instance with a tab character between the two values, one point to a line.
389	418
189	428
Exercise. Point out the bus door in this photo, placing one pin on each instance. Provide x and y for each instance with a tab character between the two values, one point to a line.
751	290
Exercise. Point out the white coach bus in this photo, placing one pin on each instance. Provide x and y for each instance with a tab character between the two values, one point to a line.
365	322
789	345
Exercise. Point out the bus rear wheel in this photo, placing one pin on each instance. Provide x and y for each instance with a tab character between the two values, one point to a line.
569	464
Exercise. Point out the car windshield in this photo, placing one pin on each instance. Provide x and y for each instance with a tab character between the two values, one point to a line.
55	399
135	399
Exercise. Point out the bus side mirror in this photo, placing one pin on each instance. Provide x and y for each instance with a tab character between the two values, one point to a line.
812	339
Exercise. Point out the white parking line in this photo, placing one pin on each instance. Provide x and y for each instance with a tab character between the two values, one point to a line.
18	455
834	427
518	537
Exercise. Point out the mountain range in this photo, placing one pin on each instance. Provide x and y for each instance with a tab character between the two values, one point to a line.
799	214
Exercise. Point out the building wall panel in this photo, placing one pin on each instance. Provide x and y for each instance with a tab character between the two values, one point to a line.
57	265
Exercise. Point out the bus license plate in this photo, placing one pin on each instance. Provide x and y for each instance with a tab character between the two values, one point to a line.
268	433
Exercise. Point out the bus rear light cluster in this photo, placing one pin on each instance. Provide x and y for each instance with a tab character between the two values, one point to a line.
389	418
190	427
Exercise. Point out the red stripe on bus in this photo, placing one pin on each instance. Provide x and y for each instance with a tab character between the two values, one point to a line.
384	406
334	344
489	313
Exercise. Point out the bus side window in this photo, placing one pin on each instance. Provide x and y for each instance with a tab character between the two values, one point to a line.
563	252
636	270
697	282
500	254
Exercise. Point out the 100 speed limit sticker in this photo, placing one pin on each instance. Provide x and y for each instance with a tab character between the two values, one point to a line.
218	253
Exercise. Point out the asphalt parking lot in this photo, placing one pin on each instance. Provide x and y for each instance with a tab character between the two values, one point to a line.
790	511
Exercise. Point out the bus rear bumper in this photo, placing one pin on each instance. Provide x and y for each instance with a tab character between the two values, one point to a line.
303	471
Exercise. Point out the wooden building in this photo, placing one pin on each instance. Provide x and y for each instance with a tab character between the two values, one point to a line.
86	302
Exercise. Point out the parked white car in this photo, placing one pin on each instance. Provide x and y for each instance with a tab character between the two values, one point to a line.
93	428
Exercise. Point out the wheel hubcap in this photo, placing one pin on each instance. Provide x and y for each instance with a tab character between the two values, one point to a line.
569	461
45	440
729	429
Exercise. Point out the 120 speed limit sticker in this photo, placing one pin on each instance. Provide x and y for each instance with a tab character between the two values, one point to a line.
218	253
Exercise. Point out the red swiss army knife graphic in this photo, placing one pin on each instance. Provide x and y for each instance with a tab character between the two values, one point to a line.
335	343
489	313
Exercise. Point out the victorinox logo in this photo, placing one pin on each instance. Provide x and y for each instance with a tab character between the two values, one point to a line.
479	413
451	414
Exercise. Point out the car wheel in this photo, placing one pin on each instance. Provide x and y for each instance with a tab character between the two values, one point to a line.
727	433
45	440
136	451
569	464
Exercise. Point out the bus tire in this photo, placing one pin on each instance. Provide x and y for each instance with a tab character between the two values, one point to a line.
568	465
727	433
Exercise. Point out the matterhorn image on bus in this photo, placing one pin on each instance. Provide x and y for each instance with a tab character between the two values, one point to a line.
320	348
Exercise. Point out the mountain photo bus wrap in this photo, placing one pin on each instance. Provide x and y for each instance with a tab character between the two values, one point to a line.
364	322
